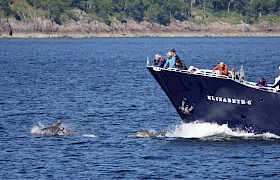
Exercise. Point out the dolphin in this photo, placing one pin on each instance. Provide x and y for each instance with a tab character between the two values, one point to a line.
52	130
57	130
148	134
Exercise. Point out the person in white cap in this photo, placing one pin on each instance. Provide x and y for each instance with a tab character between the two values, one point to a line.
277	83
222	67
159	61
170	61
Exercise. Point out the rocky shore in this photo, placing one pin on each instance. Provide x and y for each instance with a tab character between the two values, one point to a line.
43	28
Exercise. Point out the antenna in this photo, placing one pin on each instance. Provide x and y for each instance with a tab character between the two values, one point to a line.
241	73
148	61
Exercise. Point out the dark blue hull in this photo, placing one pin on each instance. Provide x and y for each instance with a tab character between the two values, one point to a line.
212	99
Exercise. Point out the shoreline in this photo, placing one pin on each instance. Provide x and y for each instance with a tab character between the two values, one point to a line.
41	28
135	35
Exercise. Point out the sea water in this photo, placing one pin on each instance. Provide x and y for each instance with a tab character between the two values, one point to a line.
102	90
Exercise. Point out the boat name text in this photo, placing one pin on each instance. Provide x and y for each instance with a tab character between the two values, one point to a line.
229	100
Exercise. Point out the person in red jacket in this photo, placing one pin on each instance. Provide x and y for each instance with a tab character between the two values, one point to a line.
222	67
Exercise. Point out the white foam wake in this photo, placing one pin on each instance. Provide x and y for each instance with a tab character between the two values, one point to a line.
89	135
36	130
202	130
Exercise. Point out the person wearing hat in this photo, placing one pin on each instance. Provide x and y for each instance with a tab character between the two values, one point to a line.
159	61
170	61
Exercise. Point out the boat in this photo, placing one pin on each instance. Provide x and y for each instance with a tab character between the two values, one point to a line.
199	95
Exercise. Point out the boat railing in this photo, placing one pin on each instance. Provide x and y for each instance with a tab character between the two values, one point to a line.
253	85
193	70
203	72
207	72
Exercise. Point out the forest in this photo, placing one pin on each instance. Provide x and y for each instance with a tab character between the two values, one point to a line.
158	11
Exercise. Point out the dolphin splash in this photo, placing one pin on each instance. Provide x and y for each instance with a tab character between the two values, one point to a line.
148	134
57	129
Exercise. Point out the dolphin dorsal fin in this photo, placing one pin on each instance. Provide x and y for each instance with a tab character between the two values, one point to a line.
58	124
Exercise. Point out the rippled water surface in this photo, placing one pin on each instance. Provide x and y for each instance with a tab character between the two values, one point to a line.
101	89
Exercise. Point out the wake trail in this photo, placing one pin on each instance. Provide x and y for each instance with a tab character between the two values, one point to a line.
214	131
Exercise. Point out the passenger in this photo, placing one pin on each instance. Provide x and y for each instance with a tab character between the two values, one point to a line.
192	69
170	61
262	82
179	65
222	67
173	52
159	61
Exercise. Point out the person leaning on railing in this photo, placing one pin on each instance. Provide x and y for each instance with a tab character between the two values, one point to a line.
180	65
170	61
261	82
159	61
222	67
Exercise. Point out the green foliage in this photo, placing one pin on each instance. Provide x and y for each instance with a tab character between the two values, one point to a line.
156	14
159	11
271	18
121	17
5	7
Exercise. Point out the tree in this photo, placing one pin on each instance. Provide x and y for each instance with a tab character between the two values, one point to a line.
5	7
160	11
156	13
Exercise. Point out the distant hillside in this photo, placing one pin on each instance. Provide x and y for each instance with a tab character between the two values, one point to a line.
91	18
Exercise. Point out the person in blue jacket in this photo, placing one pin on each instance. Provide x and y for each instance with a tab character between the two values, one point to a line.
170	61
